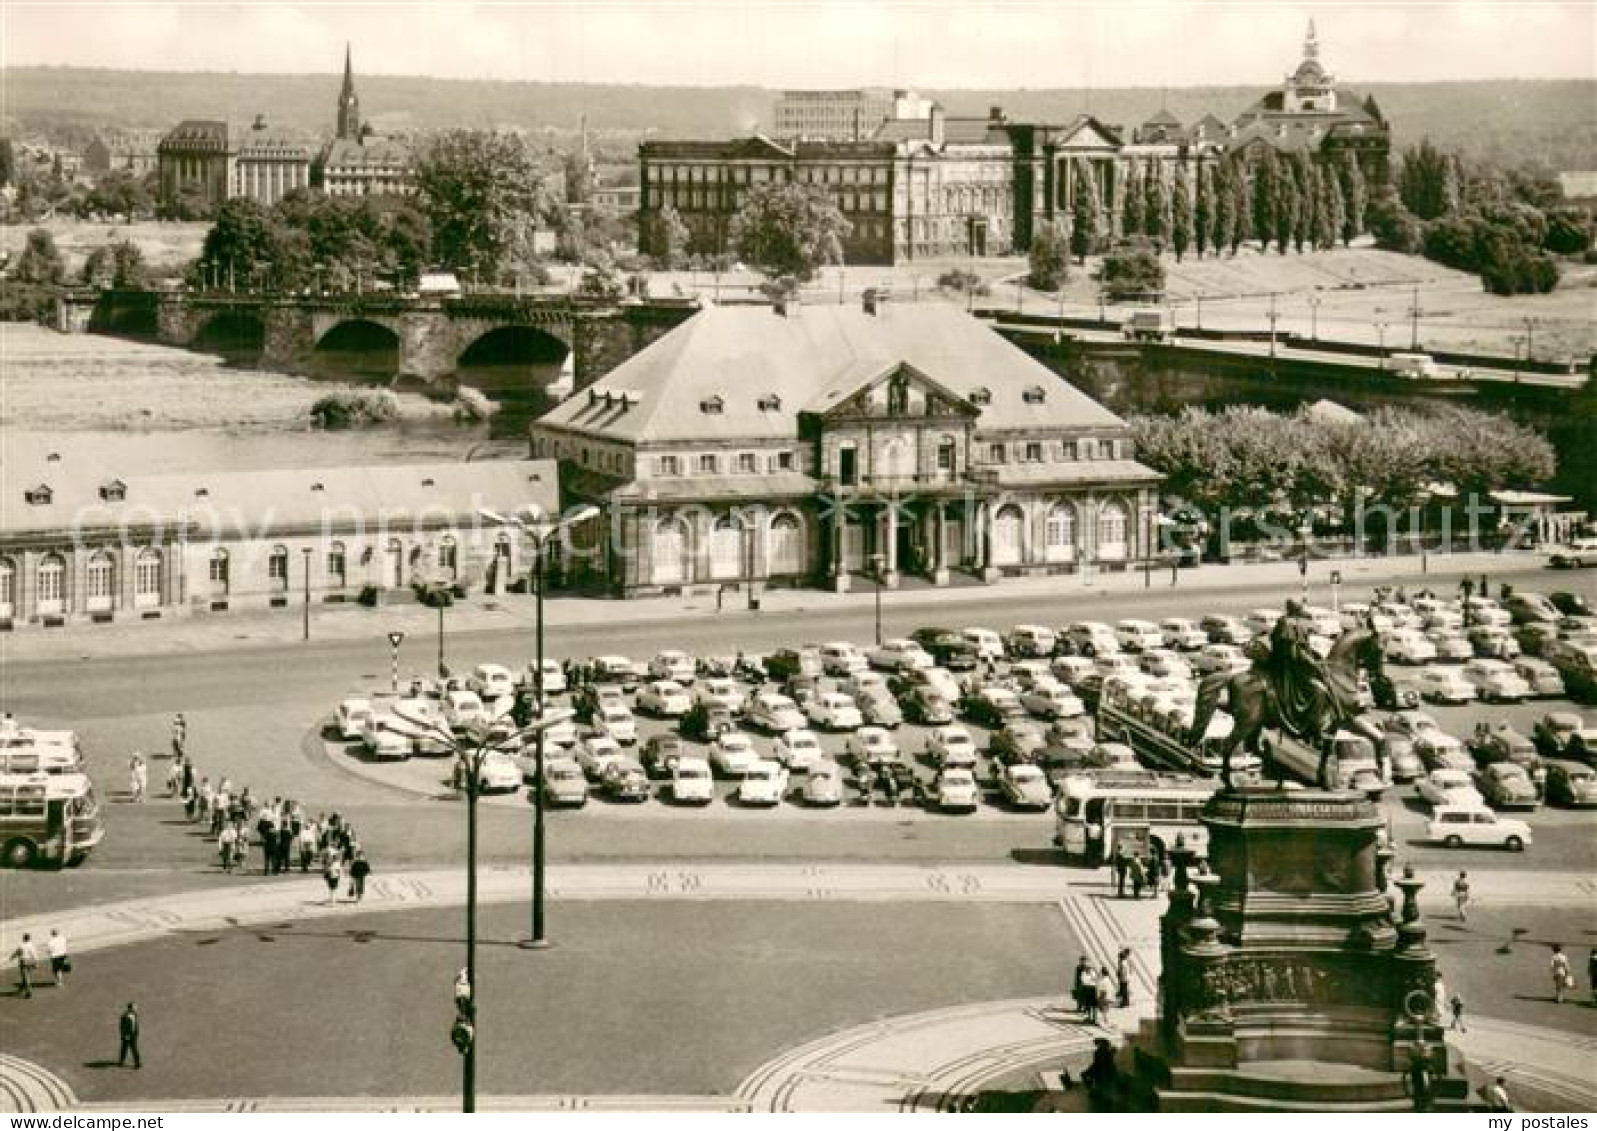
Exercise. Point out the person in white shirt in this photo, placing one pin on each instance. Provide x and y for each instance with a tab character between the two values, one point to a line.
59	962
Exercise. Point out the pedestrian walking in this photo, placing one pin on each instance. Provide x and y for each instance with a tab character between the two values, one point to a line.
1105	992
307	845
174	777
1456	1004
180	735
137	777
1123	977
1563	980
333	872
60	963
1139	877
128	1029
359	869
27	960
1085	991
225	841
1122	868
1461	896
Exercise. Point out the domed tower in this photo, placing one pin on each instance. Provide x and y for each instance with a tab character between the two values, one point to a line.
1310	89
349	102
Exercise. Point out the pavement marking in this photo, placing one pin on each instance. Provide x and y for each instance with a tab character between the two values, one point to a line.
25	1087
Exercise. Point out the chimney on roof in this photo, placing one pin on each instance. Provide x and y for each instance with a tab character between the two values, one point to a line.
995	114
868	301
937	123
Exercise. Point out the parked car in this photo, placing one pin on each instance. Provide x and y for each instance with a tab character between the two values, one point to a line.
1030	641
350	718
1565	734
1495	681
842	658
956	791
616	721
692	783
927	706
1261	620
622	779
462	709
948	648
675	665
1138	635
1071	670
1493	641
1441	751
992	705
1450	644
491	681
824	784
1444	685
832	710
617	670
732	753
799	749
1182	634
988	644
1574	787
1093	638
1408	646
1450	787
382	741
878	708
1213	658
773	713
897	654
1476	826
596	752
595	695
664	699
423	723
1540	676
1402	763
1524	608
1570	604
1225	630
951	746
720	691
564	784
871	746
1502	743
497	772
1025	786
706	720
662	752
1507	786
554	677
1020	740
784	664
1576	661
764	784
1052	701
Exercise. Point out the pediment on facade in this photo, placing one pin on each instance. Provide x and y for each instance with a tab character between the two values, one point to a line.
898	390
1087	134
757	146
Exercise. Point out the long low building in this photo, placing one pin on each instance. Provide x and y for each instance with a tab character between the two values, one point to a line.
81	542
804	445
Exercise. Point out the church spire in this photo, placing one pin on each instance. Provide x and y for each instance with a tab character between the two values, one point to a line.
1311	42
348	102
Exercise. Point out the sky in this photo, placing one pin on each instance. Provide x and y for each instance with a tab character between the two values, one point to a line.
933	44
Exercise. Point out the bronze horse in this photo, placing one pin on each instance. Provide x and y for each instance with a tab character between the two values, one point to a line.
1302	696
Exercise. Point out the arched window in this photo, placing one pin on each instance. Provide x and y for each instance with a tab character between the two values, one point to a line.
394	564
448	557
1007	524
337	565
670	552
785	552
277	568
1059	533
1112	528
147	578
726	548
52	577
8	588
219	572
101	581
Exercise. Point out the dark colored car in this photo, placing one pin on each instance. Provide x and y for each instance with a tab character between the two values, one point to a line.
1505	744
783	665
1571	786
704	721
927	706
624	780
1020	740
1571	604
948	648
661	752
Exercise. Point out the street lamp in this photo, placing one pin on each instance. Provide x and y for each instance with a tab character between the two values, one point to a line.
1414	313
1305	529
878	565
1314	317
540	535
306	550
1272	323
471	752
1380	329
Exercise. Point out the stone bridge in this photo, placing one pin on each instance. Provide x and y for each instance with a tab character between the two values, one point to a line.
566	342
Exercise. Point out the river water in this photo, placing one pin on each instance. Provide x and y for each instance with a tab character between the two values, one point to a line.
147	408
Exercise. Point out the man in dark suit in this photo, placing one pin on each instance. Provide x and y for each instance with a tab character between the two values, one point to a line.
128	1028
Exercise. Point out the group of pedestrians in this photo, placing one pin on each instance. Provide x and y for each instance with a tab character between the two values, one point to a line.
1150	872
1098	991
26	956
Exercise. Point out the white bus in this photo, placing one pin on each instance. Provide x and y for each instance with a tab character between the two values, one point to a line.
1097	812
48	819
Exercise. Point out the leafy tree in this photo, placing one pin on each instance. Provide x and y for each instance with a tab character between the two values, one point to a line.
1049	258
789	230
1288	205
1132	269
477	187
1355	197
40	263
118	193
118	265
1181	218
1392	225
1305	183
1203	211
668	237
1423	181
1569	231
1156	208
1330	216
1266	202
1084	229
241	244
1224	228
1131	218
8	162
1241	213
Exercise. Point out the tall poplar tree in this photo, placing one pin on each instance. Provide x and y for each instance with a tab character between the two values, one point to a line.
1131	217
1203	209
1084	233
1266	197
1181	225
1355	196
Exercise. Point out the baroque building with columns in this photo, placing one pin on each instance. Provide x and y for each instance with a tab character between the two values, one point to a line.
807	445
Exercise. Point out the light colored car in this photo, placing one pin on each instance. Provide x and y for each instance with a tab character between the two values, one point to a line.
951	746
491	681
732	753
870	745
1116	665
1408	646
381	740
832	710
940	679
1565	734
1072	670
764	783
1025	674
1444	618
617	670
675	665
353	711
560	734
1403	764
897	655
617	722
565	784
1052	701
1357	615
1494	641
423	721
554	677
1025	786
878	708
596	752
1182	634
840	657
1321	621
497	772
1450	644
857	682
1213	658
1475	826
1577	552
720	691
988	644
799	749
1540	676
1442	751
1138	635
462	709
1223	629
1444	685
824	784
1495	681
774	713
1450	787
664	699
1261	620
1165	662
1093	638
1485	611
957	791
1506	785
692	783
1030	640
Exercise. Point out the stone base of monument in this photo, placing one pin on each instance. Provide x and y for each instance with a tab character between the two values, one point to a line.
1290	982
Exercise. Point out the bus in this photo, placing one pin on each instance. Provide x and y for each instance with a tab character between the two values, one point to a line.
48	819
1096	813
1157	730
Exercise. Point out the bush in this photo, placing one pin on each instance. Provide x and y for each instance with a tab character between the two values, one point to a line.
1569	232
368	596
355	408
1133	269
961	281
22	302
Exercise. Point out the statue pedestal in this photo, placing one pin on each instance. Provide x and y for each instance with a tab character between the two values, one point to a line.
1289	983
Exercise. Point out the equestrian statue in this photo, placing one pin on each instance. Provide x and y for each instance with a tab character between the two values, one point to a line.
1290	689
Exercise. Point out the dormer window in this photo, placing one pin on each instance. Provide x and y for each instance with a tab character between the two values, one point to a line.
202	492
1036	394
712	406
39	496
981	396
317	487
429	482
770	402
114	491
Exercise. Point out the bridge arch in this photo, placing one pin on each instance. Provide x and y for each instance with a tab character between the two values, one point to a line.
358	347
514	363
235	334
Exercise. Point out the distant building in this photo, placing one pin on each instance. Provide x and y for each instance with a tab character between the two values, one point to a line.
843	115
358	161
953	185
196	164
1578	185
621	198
269	165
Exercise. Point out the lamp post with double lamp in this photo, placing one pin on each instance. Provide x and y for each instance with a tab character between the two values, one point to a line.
1305	529
539	533
472	750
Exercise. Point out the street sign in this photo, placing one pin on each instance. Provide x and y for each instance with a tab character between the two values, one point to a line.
396	638
1336	577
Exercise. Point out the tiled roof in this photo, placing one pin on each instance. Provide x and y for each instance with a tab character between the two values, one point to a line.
374	150
196	133
810	359
1076	471
258	501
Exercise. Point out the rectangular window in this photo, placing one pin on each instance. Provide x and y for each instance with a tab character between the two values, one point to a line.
746	463
277	567
709	464
784	461
1033	451
1069	449
847	466
996	453
668	466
